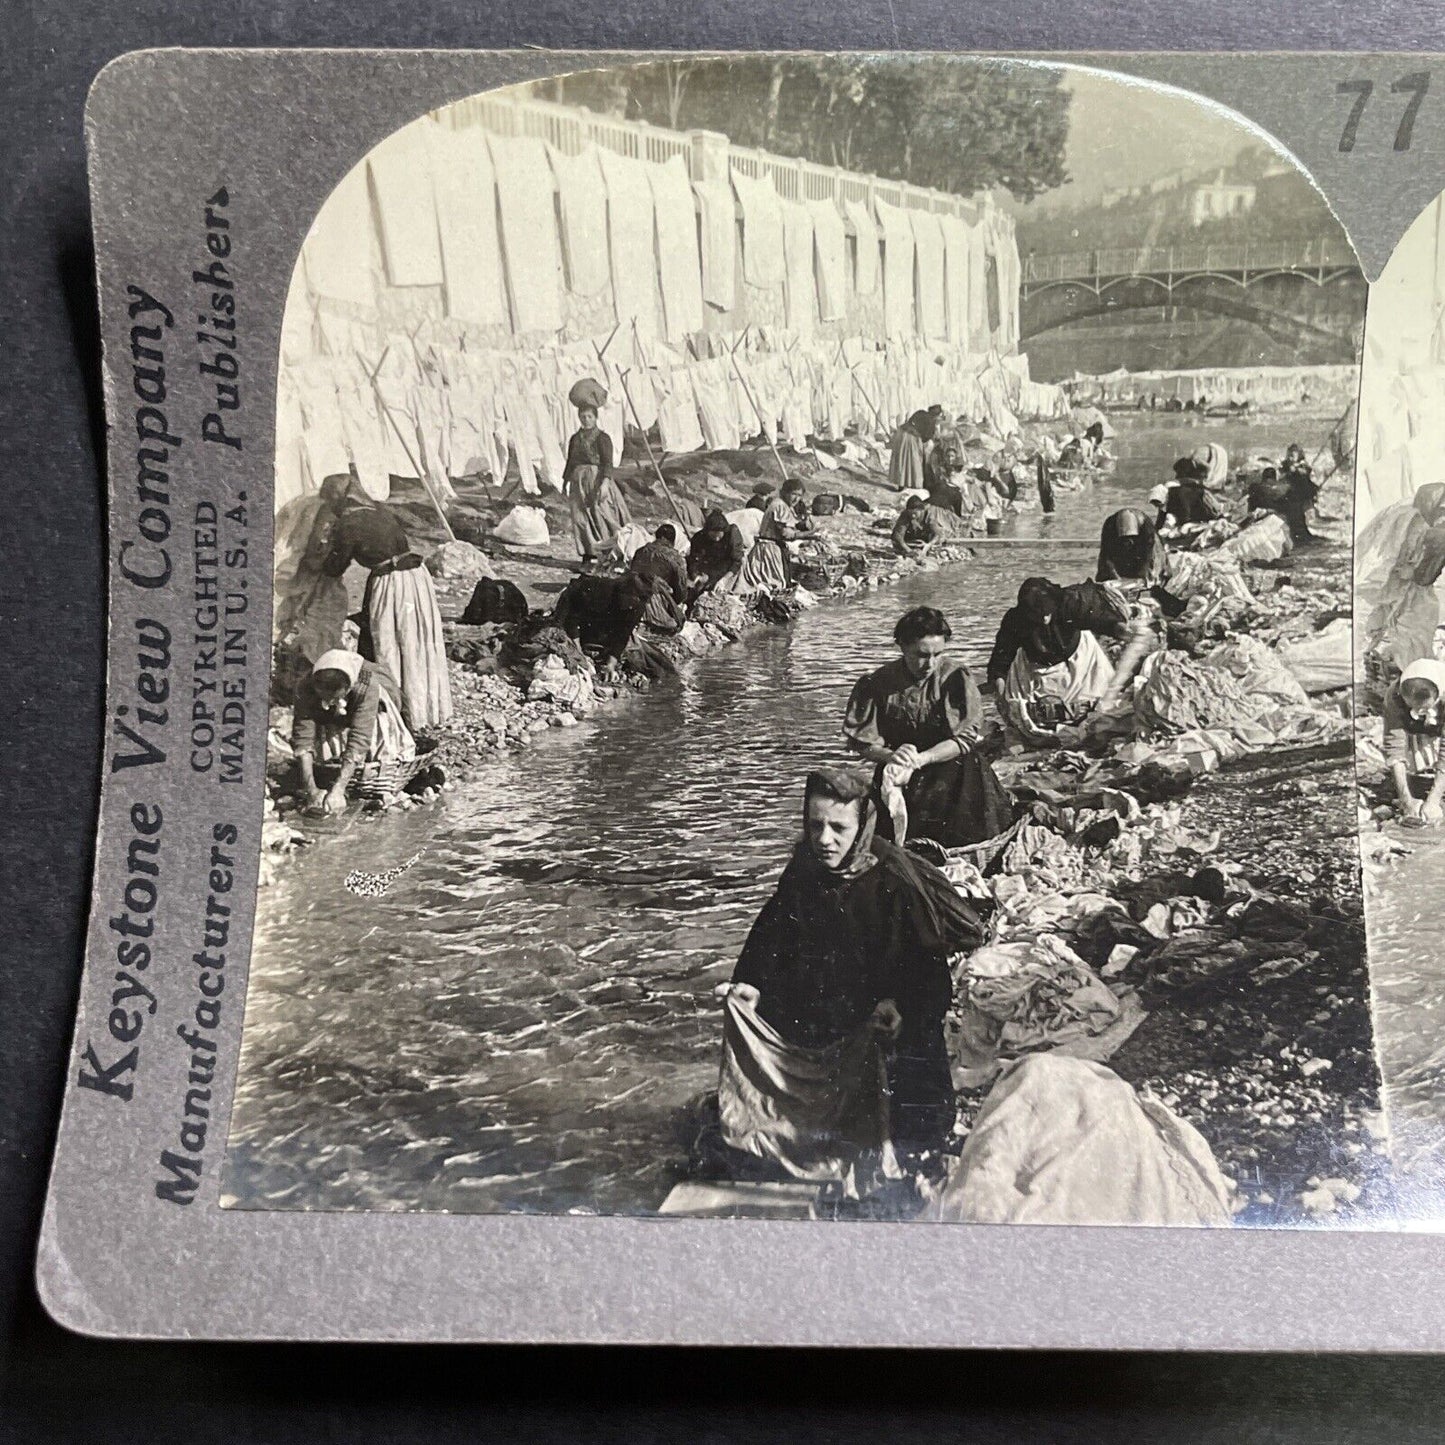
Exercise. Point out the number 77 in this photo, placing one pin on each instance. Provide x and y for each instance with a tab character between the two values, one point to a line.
1415	84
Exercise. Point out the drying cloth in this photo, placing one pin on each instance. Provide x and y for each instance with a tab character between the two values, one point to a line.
865	280
337	256
529	232
406	213
1178	694
762	231
583	203
955	278
716	410
979	338
719	243
677	423
830	243
629	241
897	271
679	266
1064	1141
800	294
466	206
928	261
815	1112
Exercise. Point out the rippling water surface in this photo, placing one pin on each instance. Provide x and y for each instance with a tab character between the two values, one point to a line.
520	1023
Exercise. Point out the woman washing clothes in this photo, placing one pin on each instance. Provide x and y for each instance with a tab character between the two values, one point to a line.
599	512
855	941
1048	668
348	712
1130	549
769	565
401	624
919	719
658	565
715	555
1413	728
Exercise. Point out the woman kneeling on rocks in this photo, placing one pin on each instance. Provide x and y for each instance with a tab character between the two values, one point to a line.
348	712
920	719
846	963
1047	666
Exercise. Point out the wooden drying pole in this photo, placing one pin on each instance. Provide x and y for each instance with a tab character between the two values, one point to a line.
877	415
758	411
420	471
637	420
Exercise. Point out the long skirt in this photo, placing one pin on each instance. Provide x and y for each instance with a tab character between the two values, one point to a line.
599	512
404	626
766	568
956	803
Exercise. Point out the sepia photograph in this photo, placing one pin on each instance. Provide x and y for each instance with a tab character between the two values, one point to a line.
1400	667
812	663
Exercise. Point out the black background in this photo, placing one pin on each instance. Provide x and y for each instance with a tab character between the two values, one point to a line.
59	1387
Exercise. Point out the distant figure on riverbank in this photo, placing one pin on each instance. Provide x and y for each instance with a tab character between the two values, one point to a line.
906	472
1187	502
1413	728
348	712
716	554
401	624
1130	549
599	511
1048	668
843	985
659	565
915	530
919	720
769	566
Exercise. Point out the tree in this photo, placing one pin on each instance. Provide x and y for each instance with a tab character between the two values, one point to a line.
954	123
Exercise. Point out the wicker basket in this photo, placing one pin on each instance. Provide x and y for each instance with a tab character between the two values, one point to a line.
378	781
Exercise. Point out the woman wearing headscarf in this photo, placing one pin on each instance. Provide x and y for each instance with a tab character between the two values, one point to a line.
716	554
855	940
1130	549
1414	724
599	511
1399	556
401	624
769	565
1212	461
906	472
1188	503
1047	667
348	712
919	719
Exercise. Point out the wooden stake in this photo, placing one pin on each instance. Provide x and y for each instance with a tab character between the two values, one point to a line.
400	436
748	391
637	422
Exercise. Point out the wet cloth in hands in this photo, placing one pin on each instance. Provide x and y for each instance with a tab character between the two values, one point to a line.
814	1112
1065	1141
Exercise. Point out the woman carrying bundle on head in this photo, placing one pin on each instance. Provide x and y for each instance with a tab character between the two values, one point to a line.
348	712
599	511
919	719
401	624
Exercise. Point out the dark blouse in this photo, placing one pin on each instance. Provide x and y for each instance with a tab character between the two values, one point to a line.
914	528
889	708
589	449
715	557
368	535
657	562
363	702
1084	607
824	953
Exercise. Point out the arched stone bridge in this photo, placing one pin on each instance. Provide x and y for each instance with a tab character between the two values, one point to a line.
1296	290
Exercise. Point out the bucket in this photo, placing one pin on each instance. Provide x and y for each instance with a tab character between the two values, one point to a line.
993	526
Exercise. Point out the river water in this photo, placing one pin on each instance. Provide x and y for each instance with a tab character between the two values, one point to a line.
521	1021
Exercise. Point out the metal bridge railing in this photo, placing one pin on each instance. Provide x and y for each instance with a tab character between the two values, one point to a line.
1293	255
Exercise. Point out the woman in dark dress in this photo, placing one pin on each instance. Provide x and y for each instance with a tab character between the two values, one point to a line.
1130	549
599	512
919	719
860	933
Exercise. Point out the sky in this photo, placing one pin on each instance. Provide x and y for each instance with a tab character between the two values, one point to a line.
1122	133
